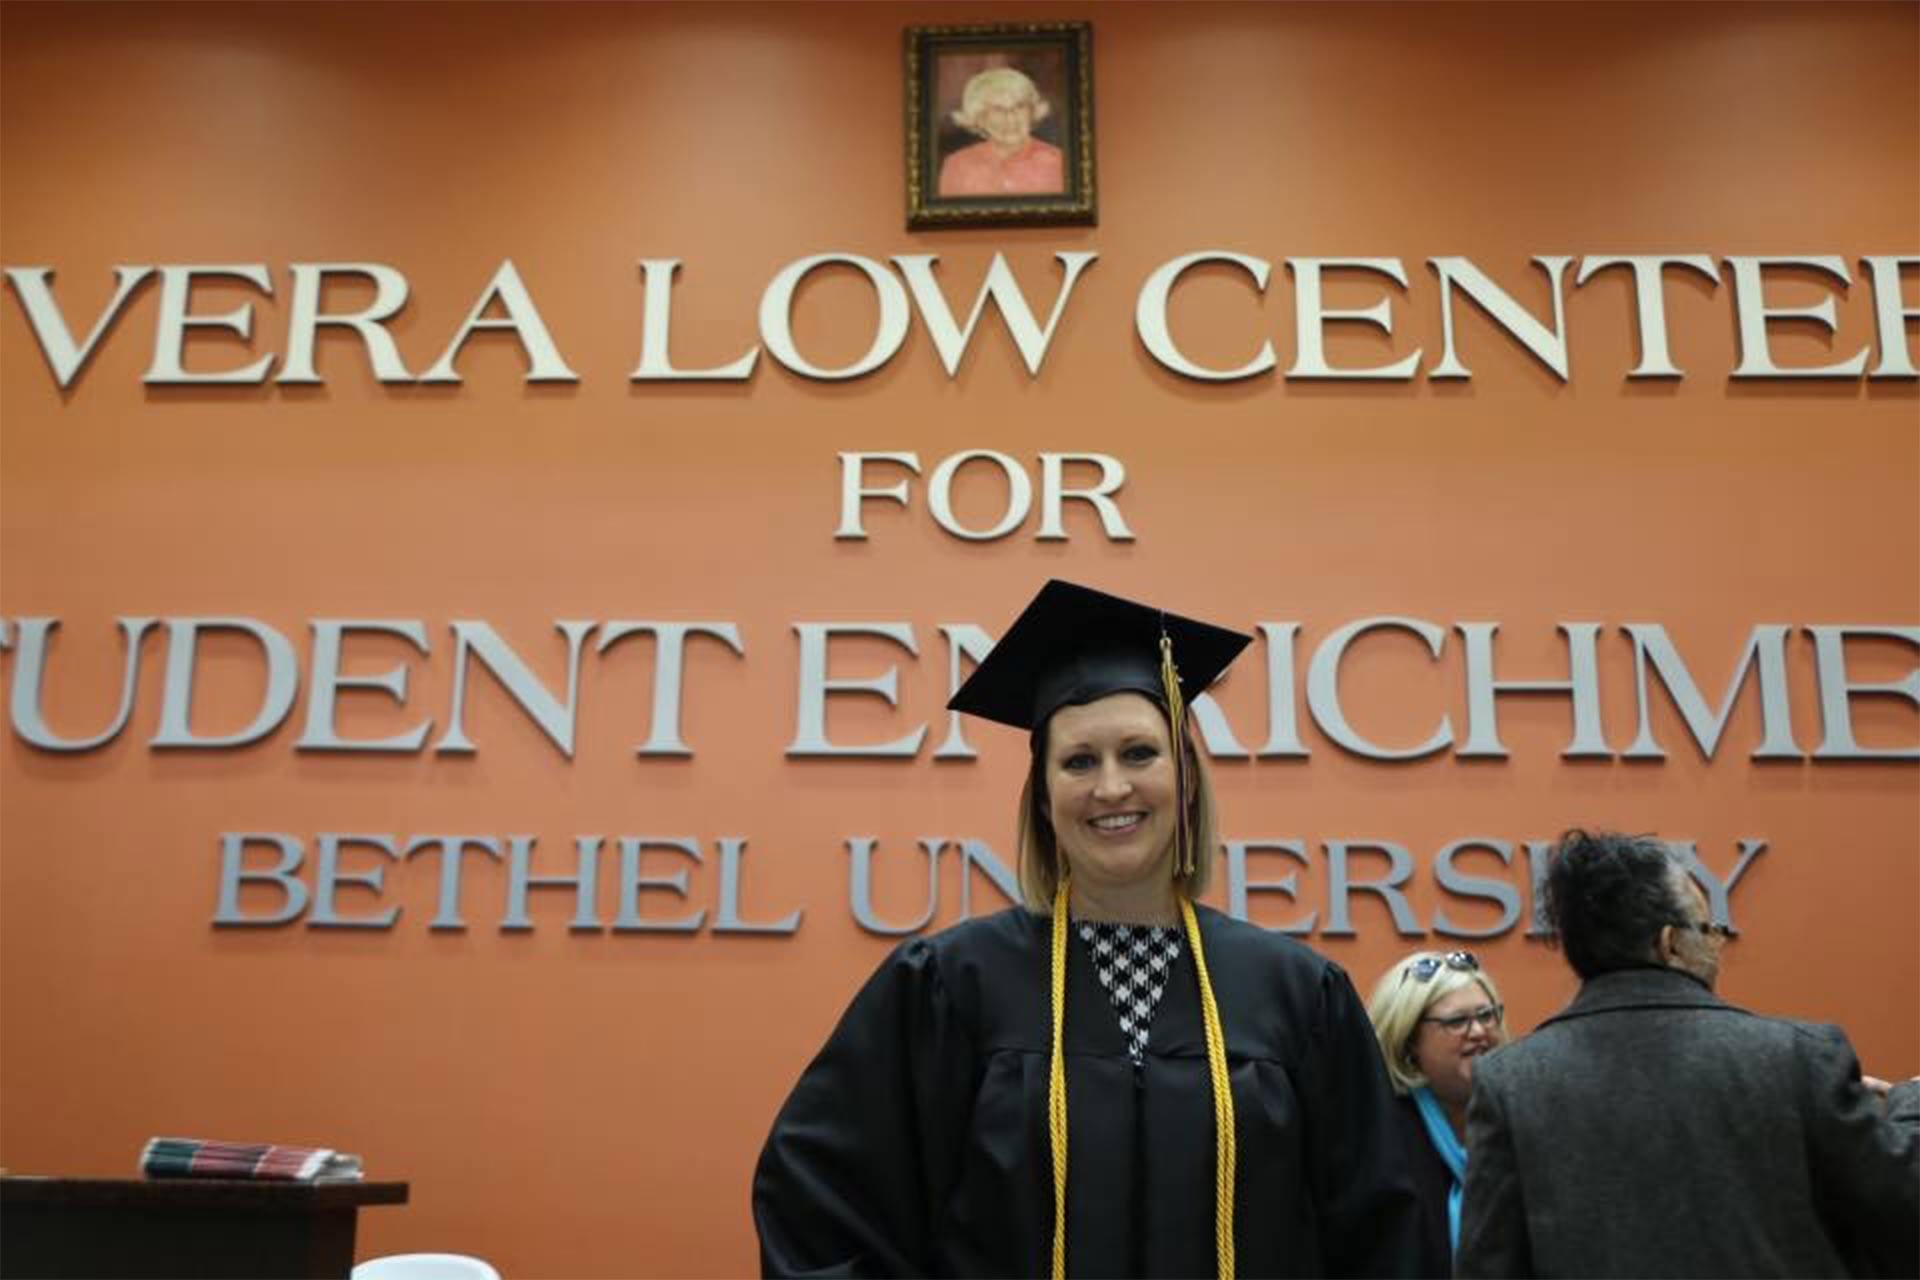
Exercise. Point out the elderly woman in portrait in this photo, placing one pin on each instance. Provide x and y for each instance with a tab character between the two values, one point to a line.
1434	1014
1002	106
1109	1080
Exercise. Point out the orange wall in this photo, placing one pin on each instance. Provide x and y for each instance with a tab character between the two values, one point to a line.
590	1104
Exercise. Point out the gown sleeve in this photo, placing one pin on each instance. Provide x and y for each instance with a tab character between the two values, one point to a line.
1369	1212
862	1154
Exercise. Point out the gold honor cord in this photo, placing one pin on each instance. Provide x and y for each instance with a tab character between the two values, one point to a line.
1223	1124
1057	1082
1224	1155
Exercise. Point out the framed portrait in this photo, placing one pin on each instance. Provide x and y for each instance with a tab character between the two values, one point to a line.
1000	125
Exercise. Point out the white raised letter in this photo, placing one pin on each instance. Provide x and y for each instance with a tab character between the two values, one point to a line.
1310	358
1649	302
655	358
776	317
28	669
964	640
1896	357
1549	346
390	294
50	327
170	329
1836	716
1582	685
1323	689
522	317
1283	730
555	718
670	646
1150	316
852	493
1054	493
233	871
951	341
328	877
810	736
176	703
326	683
1750	305
940	495
1767	643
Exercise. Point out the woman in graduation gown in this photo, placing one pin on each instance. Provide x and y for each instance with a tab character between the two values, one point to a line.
1110	1080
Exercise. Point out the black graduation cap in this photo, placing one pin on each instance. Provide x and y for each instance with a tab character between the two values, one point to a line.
1072	645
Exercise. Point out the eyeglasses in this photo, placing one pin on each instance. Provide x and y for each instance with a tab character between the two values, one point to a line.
1424	967
1708	927
1488	1016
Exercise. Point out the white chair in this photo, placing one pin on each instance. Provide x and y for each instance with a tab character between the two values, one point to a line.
425	1266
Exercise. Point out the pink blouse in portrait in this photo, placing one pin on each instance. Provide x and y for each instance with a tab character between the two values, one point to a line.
979	170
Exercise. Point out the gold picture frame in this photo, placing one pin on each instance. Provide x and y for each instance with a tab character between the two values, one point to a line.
1000	125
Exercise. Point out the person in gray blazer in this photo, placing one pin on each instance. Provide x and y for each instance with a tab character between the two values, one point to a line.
1652	1129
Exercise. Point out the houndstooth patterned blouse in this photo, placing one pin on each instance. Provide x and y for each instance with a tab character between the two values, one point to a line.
1134	962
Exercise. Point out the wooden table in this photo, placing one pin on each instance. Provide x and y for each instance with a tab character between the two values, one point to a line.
205	1228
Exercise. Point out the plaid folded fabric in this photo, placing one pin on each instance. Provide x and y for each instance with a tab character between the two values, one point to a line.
198	1158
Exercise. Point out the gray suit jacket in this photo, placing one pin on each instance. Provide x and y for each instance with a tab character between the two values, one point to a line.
1652	1129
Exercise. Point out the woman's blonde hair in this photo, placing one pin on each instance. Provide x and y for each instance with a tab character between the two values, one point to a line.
1040	849
1400	999
997	82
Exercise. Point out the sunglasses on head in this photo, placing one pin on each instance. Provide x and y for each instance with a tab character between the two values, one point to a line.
1424	967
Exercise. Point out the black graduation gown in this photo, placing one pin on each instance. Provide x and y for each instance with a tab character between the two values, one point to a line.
916	1142
1432	1181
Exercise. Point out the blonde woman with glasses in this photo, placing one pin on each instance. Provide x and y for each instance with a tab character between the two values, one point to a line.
1434	1014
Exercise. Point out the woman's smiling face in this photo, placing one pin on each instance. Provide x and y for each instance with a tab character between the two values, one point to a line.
1006	119
1111	790
1444	1056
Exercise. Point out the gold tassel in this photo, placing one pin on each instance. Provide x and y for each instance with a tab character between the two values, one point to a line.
1177	724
